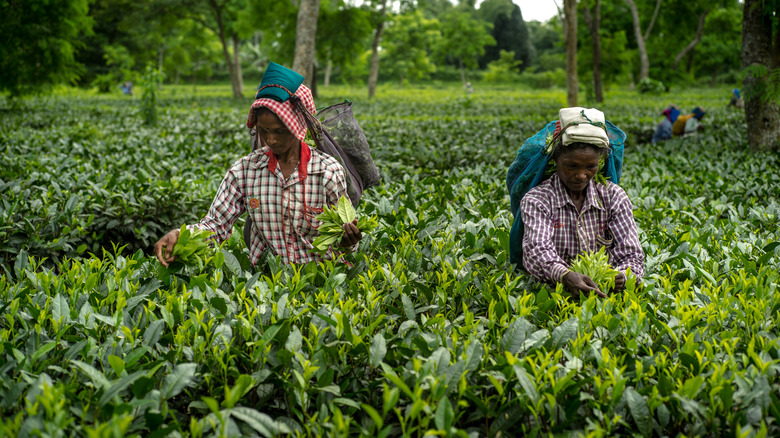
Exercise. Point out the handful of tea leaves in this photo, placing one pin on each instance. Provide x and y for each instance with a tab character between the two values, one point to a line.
332	219
596	266
192	246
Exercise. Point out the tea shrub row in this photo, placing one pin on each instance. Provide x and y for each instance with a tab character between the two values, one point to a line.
427	330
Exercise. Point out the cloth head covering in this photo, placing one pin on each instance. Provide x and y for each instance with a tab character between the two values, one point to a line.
736	93
586	125
698	112
280	76
269	94
671	113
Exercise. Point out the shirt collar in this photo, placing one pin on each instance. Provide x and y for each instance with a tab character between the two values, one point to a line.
265	158
562	198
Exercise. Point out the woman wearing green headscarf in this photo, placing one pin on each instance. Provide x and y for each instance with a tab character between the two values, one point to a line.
283	184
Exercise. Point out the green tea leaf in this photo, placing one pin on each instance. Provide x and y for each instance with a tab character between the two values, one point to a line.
60	309
119	386
639	410
378	350
182	376
346	211
444	416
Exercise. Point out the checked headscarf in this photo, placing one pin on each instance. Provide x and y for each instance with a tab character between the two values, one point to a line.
292	119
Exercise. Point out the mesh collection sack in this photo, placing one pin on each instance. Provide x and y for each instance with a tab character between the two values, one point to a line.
532	166
335	132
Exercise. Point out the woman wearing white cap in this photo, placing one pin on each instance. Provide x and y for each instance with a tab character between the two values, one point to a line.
570	213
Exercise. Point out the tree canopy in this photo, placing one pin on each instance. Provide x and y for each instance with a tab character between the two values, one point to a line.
101	44
39	41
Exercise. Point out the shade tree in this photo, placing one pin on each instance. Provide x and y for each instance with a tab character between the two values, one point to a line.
463	38
410	39
38	43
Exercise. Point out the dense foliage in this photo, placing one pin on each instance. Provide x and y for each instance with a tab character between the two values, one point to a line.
102	44
426	330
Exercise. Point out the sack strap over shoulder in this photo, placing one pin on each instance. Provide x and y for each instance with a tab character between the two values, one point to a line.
317	133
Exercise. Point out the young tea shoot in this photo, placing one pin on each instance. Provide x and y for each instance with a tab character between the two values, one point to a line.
596	266
332	220
193	246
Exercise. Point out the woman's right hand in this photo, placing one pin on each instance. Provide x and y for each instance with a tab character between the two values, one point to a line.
575	283
168	241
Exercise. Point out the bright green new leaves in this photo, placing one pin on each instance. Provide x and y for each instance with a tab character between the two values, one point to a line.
596	266
192	246
332	219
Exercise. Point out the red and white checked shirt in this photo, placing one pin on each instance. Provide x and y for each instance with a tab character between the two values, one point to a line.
555	232
282	211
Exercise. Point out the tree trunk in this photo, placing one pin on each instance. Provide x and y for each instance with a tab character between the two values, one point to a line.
689	67
237	63
695	40
570	32
225	53
373	74
314	80
328	71
462	71
593	25
652	20
644	62
161	58
305	36
761	112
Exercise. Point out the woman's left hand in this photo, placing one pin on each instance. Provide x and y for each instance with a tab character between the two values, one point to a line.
352	234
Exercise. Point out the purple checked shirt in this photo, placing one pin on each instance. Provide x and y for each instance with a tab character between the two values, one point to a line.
282	210
555	232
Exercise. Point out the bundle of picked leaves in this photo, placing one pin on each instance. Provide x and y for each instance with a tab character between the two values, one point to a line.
192	246
596	266
332	219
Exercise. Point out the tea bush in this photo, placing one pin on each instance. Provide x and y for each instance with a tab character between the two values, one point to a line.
426	331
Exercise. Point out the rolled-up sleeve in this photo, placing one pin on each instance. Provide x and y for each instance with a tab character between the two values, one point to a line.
226	208
627	251
540	258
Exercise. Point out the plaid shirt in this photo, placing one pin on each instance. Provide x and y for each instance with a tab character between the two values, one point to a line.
555	233
282	211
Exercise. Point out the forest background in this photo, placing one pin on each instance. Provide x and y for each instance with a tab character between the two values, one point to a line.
101	44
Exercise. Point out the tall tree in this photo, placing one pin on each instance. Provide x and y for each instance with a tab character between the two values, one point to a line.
464	38
221	18
379	21
696	39
641	40
593	21
570	38
38	42
305	39
343	33
720	49
509	31
411	39
761	61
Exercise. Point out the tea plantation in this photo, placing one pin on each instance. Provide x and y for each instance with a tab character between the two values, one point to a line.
427	331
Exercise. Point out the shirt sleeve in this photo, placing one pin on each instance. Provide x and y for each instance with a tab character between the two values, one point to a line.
226	208
539	255
627	251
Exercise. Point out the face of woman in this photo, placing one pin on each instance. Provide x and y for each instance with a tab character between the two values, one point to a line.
576	168
275	134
